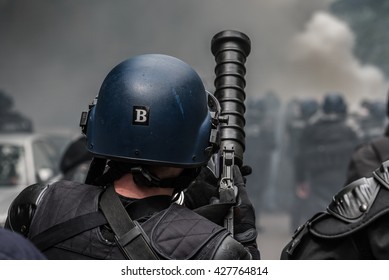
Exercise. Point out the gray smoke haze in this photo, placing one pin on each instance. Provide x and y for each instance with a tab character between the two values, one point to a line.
326	45
55	54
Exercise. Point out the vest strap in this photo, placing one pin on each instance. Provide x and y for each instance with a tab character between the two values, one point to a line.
130	237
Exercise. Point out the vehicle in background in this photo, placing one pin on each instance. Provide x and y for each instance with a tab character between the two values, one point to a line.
25	159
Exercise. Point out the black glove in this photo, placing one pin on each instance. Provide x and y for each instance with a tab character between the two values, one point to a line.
244	216
203	191
205	188
245	170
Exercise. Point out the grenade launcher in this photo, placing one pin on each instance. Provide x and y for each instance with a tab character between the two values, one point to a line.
230	49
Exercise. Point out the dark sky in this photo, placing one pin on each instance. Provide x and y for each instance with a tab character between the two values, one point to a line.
54	54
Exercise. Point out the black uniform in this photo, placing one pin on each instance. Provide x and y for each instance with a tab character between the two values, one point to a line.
296	124
355	225
327	145
260	142
65	221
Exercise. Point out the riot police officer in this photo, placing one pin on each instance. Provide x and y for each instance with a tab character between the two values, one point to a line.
327	143
151	129
307	108
354	225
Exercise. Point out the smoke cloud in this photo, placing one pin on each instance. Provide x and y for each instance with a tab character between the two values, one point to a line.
321	59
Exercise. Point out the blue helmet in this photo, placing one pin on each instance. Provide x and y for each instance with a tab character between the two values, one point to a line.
334	103
152	109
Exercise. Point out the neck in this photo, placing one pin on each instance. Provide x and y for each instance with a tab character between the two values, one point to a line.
126	186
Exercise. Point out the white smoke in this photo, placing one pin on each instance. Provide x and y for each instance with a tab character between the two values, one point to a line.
321	59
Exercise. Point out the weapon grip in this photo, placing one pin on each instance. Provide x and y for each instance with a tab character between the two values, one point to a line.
231	49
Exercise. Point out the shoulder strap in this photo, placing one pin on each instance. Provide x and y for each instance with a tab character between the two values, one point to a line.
128	234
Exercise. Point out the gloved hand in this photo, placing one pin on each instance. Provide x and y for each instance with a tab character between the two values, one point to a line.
245	170
205	188
244	216
203	191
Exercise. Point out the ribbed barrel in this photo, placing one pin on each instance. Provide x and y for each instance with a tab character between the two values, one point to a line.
231	49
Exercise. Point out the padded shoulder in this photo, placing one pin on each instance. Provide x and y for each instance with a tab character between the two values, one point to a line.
354	200
180	233
354	208
382	174
23	208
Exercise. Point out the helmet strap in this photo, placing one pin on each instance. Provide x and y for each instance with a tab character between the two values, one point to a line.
143	177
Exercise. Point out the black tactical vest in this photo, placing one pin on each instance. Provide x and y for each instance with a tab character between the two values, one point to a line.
174	233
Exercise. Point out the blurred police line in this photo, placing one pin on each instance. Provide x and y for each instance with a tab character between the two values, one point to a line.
300	149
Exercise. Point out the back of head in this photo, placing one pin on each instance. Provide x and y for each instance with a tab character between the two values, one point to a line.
334	103
308	108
